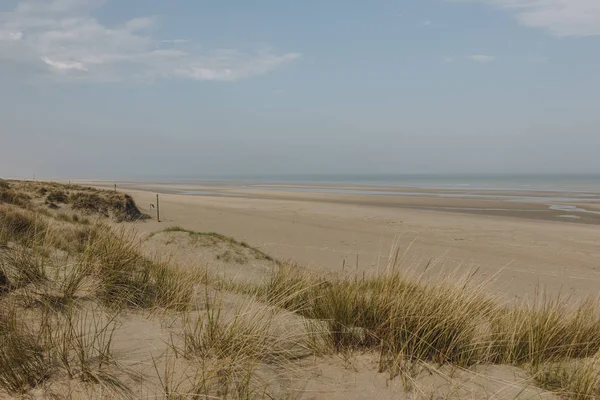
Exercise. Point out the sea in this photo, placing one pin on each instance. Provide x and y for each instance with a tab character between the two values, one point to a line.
583	183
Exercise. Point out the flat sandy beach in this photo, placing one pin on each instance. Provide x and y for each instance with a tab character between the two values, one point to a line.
512	238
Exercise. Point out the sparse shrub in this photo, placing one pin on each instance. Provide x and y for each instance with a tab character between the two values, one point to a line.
12	196
57	196
88	202
108	204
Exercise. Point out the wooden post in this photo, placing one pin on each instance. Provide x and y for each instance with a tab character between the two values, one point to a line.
115	187
157	210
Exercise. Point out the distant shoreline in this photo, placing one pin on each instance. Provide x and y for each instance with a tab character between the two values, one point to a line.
559	206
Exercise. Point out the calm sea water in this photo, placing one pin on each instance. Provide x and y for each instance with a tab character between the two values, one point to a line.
572	183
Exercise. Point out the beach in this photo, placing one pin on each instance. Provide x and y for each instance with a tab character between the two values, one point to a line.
337	292
522	241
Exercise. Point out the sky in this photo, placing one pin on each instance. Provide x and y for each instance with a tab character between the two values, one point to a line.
121	89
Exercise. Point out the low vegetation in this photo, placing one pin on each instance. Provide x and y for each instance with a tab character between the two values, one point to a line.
214	238
447	320
577	379
44	196
67	287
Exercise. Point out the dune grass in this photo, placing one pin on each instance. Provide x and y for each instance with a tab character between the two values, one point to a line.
19	225
64	286
127	278
84	200
228	350
450	320
576	379
23	362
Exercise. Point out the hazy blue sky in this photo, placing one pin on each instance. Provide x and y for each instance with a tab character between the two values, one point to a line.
123	88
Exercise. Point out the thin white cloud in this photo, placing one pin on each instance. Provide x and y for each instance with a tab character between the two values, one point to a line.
61	40
64	66
9	36
175	41
481	58
427	23
560	17
232	65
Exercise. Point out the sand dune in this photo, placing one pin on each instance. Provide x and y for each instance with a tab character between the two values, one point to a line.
330	231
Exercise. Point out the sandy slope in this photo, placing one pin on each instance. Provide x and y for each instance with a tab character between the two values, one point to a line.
352	376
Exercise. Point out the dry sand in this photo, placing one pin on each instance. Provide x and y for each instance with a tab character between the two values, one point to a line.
519	244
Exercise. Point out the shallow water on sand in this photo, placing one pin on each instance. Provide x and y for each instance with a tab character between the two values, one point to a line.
513	182
572	209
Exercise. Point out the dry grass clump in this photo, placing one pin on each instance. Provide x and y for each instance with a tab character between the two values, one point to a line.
126	278
11	196
548	330
438	322
447	321
244	335
227	351
23	361
22	266
575	379
20	226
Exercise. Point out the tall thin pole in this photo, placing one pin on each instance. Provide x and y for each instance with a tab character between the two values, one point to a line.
115	187
157	209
